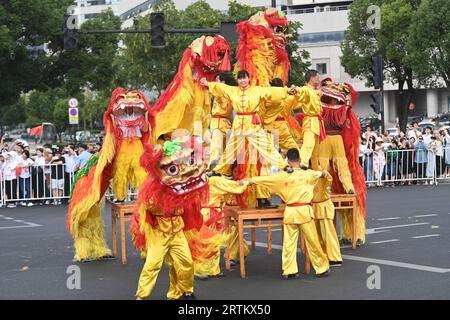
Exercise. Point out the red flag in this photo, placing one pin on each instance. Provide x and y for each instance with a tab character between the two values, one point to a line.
36	131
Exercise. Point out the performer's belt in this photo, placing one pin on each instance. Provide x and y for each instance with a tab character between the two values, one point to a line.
299	204
255	118
323	133
218	116
333	132
321	201
280	119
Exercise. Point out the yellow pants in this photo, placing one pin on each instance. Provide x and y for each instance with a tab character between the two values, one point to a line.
280	131
332	148
126	167
346	223
219	129
234	244
179	259
328	239
318	258
309	149
259	143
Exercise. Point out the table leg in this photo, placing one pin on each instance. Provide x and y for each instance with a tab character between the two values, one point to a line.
269	239
241	247
353	227
123	239
253	236
114	233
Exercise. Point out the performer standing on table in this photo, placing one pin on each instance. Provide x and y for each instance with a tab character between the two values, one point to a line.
296	190
324	216
246	100
220	122
313	131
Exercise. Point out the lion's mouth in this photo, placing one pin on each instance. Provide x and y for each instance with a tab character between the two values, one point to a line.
327	100
189	185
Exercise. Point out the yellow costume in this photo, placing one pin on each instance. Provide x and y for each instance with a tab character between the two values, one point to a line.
324	216
127	128
247	124
309	100
296	190
219	187
220	126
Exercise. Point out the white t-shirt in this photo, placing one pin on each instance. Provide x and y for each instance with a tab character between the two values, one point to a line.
427	138
414	134
9	170
25	171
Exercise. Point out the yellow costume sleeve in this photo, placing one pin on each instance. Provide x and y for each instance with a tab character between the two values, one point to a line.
221	185
273	182
218	89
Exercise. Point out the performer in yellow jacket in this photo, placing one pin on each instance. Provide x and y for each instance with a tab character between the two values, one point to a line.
296	190
324	216
313	131
246	128
220	120
212	213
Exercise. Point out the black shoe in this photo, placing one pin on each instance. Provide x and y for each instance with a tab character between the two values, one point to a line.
288	169
260	204
107	257
119	201
303	167
212	173
188	296
233	263
323	274
201	277
219	275
268	205
336	263
359	242
344	242
290	276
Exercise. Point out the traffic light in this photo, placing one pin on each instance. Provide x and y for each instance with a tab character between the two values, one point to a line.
157	30
376	105
377	71
71	36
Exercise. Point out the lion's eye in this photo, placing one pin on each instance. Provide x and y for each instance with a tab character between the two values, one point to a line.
172	170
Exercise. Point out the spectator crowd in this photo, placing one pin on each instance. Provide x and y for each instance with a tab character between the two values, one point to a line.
44	174
417	156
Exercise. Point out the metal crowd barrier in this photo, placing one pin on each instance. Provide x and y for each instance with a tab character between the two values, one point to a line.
384	168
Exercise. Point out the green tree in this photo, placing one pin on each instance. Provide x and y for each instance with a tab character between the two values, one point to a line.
429	42
361	43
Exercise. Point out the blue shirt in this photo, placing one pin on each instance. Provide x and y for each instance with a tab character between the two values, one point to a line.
84	157
421	152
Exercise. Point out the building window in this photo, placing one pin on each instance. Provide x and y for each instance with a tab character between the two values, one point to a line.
321	68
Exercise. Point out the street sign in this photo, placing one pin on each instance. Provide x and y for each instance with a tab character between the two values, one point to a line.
73	103
73	115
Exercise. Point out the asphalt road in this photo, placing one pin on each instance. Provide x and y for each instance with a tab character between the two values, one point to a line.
407	242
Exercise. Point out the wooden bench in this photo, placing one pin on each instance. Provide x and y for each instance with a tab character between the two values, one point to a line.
123	212
263	218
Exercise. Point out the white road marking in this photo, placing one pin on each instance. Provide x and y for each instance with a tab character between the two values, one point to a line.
16	227
373	230
376	261
425	215
385	241
384	219
8	218
18	220
427	236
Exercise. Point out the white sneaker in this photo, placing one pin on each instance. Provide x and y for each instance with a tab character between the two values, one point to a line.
23	204
11	205
47	201
30	204
55	203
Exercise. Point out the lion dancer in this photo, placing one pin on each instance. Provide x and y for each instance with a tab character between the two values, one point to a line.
338	153
169	224
246	128
219	189
220	120
323	208
127	124
185	104
313	130
262	52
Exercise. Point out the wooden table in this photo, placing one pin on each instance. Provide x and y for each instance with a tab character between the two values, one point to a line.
123	212
263	218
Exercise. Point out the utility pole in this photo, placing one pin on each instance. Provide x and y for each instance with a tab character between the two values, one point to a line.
274	3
